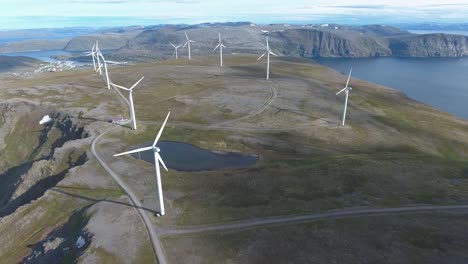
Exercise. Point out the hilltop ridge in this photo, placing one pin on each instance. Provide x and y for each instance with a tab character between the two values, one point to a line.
326	40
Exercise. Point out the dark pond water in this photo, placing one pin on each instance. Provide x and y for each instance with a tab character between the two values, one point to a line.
439	82
186	157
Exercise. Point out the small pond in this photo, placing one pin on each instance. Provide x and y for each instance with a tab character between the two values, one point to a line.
187	157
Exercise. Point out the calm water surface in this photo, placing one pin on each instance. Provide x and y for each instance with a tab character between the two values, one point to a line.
186	157
45	55
439	82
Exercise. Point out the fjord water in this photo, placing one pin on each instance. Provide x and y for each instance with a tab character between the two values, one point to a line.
439	82
43	55
186	157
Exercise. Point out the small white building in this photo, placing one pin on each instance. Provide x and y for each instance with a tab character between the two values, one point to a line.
80	242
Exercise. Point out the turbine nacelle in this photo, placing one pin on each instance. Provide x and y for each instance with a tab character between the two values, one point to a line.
268	52
187	43
128	89
157	161
347	89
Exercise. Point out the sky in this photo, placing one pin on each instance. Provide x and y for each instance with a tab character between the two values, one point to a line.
21	14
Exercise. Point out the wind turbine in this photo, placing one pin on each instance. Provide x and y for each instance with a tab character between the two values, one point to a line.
347	89
93	54
175	49
268	52
132	108
157	159
98	52
105	69
188	43
220	46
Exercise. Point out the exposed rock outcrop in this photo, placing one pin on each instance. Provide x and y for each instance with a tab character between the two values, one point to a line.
318	43
306	41
35	162
430	45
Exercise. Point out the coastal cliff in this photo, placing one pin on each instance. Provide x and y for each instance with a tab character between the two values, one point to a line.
297	41
430	45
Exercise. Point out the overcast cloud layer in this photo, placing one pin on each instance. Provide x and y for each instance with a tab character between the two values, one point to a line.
64	13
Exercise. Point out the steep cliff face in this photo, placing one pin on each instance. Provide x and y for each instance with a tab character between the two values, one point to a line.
35	157
316	43
430	45
310	41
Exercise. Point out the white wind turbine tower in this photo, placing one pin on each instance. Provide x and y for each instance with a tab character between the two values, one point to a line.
157	159
220	46
98	52
132	108
347	89
175	49
92	53
188	43
105	69
268	52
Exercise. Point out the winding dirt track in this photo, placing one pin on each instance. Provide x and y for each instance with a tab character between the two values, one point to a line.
315	217
155	231
133	198
273	95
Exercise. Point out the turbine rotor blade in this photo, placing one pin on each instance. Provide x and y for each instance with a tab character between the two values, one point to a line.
161	130
131	88
172	44
216	47
160	160
261	56
222	45
341	91
273	53
133	151
349	76
185	44
186	36
192	41
121	87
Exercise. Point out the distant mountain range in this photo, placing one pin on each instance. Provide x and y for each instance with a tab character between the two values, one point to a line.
318	40
434	27
326	40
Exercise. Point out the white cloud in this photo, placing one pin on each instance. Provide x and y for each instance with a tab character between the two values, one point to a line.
256	11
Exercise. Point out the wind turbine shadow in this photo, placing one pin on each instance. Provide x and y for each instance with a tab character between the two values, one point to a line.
78	196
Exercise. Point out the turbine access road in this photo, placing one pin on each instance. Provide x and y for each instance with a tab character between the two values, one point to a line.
155	232
298	219
273	95
156	244
132	197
